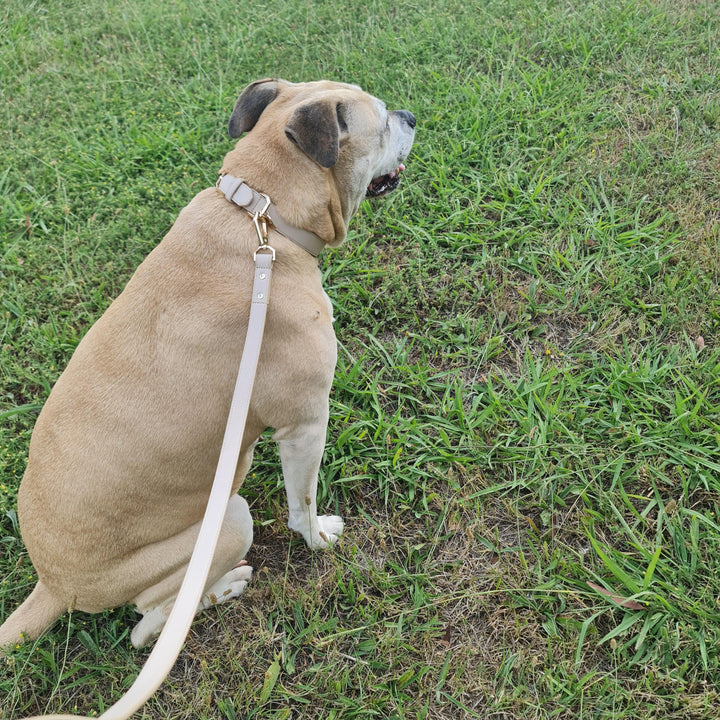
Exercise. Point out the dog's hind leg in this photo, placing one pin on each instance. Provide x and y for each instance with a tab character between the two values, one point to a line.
228	576
39	611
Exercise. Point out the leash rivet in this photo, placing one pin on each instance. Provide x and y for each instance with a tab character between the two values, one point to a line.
262	276
260	296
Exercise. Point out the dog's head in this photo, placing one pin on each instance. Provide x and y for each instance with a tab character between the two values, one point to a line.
324	139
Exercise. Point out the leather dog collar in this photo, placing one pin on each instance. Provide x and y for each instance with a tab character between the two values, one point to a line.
238	192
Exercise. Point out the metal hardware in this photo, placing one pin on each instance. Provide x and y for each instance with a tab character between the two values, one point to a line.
260	220
265	246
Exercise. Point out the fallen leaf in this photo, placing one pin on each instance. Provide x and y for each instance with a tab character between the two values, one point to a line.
699	342
621	601
271	677
445	639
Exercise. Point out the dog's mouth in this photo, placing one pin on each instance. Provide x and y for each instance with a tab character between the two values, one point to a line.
384	184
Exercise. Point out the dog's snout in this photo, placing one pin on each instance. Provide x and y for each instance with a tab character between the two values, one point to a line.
407	116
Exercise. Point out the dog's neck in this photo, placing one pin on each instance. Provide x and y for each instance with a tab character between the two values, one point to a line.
241	194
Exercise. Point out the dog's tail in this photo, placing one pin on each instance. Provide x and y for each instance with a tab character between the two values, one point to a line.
32	618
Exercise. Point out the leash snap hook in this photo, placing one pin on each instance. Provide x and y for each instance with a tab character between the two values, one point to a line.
260	220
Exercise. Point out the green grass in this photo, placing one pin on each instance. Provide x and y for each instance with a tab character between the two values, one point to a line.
525	423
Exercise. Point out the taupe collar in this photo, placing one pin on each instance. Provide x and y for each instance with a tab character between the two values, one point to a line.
238	192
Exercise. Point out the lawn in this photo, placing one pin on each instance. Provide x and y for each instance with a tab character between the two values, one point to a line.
525	422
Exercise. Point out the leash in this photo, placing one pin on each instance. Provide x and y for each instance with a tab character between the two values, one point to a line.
169	643
171	639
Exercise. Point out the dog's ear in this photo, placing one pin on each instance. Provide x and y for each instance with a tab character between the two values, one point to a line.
250	105
315	129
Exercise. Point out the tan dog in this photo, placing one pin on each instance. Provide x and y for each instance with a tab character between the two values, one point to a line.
124	452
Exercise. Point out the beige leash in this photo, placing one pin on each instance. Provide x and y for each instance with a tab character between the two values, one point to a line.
171	639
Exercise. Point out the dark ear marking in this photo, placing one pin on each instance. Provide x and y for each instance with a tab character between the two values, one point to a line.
340	114
250	105
314	128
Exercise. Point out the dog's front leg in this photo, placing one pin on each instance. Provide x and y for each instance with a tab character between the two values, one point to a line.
301	450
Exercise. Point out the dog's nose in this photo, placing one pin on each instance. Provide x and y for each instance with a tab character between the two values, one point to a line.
407	116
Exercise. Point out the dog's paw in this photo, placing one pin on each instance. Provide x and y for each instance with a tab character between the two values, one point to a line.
329	530
150	626
229	586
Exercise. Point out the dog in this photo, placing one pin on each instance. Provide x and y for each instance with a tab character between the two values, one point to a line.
123	454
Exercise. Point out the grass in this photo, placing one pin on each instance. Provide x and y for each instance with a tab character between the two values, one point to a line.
525	422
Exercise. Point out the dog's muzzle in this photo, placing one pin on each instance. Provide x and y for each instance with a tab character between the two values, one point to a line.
384	184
